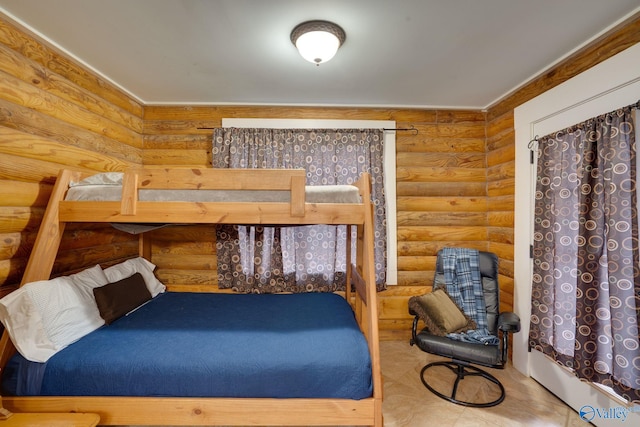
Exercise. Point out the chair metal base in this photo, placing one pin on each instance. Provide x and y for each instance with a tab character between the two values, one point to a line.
462	371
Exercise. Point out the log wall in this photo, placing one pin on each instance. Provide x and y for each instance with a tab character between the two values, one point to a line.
501	142
455	179
54	114
441	186
500	200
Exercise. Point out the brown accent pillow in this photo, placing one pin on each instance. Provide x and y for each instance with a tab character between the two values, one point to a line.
116	299
440	314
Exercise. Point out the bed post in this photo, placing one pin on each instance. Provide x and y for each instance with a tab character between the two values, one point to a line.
129	204
7	350
347	287
45	249
367	260
144	246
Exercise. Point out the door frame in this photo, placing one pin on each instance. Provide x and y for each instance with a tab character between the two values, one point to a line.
612	84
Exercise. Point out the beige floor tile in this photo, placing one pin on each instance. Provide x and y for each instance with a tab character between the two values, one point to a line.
527	403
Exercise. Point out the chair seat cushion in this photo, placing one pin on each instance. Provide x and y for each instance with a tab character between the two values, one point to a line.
487	355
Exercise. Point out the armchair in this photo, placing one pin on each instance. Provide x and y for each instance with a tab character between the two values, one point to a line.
445	321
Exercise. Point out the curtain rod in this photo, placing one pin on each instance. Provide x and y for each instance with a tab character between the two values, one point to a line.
411	129
532	144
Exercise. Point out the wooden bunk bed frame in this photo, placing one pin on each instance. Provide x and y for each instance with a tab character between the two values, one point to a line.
214	411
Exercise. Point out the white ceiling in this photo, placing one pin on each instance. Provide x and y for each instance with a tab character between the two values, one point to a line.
400	53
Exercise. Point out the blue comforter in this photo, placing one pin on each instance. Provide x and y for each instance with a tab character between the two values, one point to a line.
212	345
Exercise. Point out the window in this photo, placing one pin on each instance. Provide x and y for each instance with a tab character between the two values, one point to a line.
389	165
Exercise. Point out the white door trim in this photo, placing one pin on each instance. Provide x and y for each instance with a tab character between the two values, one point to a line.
609	85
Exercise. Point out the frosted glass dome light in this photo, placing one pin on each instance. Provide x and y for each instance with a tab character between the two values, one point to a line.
318	41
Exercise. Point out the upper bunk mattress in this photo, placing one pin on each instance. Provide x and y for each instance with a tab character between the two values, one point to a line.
108	187
212	345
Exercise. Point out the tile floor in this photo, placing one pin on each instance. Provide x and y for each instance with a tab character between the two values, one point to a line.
407	403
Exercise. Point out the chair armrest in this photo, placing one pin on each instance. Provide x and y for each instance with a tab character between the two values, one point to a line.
509	322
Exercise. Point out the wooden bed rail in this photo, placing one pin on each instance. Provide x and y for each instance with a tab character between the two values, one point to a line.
293	212
185	411
217	179
292	180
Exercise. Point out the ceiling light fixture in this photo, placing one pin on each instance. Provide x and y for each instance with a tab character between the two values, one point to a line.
318	41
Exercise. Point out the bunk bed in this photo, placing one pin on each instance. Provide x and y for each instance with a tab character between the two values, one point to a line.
278	197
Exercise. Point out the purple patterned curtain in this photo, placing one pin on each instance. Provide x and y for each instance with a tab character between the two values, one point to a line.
306	258
586	279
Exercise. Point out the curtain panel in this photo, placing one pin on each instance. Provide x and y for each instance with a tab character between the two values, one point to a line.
586	279
302	258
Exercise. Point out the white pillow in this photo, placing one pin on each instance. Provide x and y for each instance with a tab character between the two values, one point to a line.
86	280
46	316
24	325
136	265
65	314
